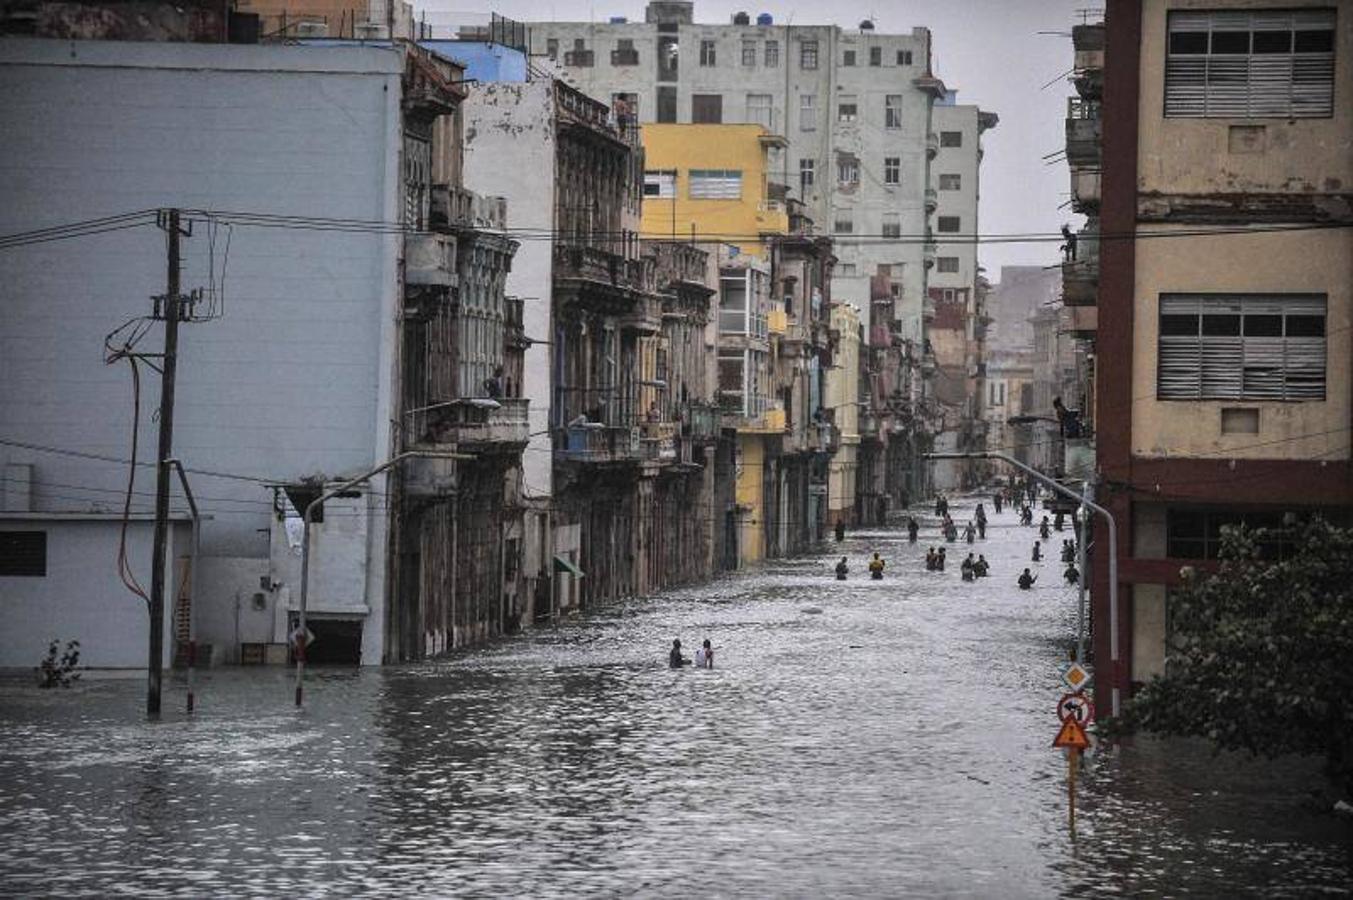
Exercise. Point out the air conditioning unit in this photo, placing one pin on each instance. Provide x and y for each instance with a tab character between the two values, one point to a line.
371	31
312	29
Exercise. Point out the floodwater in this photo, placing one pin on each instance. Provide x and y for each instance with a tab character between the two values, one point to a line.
855	738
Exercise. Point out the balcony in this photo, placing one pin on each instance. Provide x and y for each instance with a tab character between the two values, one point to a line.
702	423
932	200
928	253
430	259
457	209
658	442
932	145
1088	71
595	443
592	267
471	422
1080	322
1084	133
626	57
680	265
1085	189
1079	460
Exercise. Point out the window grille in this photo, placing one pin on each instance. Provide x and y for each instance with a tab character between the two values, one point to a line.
948	224
706	53
772	54
807	112
808	55
951	182
892	111
1261	64
892	169
749	53
1241	347
660	183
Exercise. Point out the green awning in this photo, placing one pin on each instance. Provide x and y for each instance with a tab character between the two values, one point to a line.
563	564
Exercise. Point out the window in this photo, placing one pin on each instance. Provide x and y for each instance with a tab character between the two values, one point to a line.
552	48
845	270
892	111
808	55
892	170
845	222
667	104
772	54
749	53
951	182
892	225
807	112
1196	533
715	184
848	170
707	109
904	57
668	57
948	224
951	139
1247	346
759	110
805	176
848	58
875	56
706	53
660	183
948	264
624	53
847	110
579	56
23	554
1271	63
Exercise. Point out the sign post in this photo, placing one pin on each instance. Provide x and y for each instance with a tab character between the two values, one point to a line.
1072	737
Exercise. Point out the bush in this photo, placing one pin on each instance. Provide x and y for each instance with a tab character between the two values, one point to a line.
60	672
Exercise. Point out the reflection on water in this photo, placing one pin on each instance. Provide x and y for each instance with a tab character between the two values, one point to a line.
895	743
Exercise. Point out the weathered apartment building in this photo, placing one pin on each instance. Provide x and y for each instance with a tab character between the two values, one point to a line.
621	355
774	345
311	353
1015	421
1223	359
854	106
955	306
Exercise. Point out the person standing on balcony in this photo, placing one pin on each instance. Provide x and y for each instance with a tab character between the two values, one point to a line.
1069	248
493	385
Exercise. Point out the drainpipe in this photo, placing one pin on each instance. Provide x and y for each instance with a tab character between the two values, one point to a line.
298	637
1084	499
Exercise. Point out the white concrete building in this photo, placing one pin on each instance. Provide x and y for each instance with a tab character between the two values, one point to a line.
290	376
854	104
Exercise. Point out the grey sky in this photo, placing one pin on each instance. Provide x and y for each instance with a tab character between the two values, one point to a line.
989	50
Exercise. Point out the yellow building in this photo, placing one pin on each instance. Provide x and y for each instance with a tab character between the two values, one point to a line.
843	405
712	181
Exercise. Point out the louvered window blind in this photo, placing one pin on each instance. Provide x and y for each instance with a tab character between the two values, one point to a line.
1241	347
1260	64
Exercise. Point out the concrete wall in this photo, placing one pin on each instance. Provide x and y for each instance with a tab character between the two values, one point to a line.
81	597
1315	262
1148	631
843	398
293	377
1190	155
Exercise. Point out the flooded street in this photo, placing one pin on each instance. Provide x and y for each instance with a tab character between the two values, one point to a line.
861	738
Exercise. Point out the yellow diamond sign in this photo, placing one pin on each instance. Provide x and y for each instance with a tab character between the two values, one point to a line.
1075	676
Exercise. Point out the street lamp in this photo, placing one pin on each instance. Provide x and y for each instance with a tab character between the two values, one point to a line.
1113	558
299	641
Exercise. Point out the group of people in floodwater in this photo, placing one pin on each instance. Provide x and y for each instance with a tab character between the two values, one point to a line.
1021	497
704	657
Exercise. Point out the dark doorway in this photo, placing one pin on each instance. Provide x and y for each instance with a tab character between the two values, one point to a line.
338	642
667	104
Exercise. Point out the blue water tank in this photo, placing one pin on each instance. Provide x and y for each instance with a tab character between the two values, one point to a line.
765	19
619	20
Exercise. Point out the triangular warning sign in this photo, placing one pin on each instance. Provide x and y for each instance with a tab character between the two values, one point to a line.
1072	735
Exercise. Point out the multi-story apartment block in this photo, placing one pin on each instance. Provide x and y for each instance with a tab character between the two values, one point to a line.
952	308
843	404
854	106
1223	358
299	367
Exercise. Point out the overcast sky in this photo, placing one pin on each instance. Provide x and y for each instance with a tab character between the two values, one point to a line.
989	50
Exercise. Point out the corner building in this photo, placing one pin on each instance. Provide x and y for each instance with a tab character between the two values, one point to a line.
1223	359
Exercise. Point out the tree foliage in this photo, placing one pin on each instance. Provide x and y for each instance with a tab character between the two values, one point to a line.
1261	654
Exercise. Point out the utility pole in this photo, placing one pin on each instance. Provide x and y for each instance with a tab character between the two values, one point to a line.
171	312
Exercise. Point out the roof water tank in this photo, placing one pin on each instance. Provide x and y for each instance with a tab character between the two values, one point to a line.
741	19
866	25
765	19
619	20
